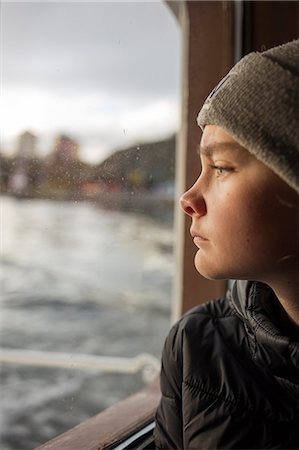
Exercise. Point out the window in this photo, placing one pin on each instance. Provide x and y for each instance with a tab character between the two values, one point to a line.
90	106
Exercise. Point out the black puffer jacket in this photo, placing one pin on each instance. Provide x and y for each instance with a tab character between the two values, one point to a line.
229	377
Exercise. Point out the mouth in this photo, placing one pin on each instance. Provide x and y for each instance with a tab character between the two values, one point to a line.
197	238
196	234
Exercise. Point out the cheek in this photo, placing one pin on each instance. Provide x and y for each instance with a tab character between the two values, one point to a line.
243	227
232	220
261	228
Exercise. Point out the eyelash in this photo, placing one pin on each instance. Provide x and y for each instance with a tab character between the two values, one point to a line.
221	168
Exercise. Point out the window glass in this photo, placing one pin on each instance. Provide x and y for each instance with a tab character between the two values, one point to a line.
89	111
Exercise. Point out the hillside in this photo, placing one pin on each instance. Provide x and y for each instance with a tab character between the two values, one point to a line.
145	165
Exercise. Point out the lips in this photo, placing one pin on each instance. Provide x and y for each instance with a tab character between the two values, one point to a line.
197	236
198	239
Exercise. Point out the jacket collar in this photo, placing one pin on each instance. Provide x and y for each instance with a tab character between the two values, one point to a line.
258	307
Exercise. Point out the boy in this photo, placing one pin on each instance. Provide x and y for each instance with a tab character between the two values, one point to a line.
230	368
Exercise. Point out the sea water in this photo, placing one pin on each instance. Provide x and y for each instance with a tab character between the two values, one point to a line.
76	278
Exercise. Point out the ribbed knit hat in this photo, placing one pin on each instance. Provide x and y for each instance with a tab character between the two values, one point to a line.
257	103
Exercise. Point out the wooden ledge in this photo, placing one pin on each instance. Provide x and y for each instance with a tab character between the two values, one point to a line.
112	425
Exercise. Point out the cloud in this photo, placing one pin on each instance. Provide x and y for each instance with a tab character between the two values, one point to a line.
159	116
90	69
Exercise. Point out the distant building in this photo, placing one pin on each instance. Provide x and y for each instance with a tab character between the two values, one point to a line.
63	168
20	172
66	150
26	146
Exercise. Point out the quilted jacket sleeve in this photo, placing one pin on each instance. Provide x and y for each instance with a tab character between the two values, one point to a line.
169	429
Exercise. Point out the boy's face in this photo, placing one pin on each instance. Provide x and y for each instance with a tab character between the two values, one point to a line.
244	217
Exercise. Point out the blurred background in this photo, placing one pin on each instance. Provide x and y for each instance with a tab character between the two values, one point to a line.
90	106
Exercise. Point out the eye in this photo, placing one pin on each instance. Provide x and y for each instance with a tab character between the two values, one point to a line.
221	170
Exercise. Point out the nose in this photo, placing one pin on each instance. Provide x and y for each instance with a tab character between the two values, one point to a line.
192	201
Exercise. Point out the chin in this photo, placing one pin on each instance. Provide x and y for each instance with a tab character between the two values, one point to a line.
210	273
213	269
213	272
207	267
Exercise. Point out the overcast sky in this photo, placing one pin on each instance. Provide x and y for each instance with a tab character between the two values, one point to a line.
104	73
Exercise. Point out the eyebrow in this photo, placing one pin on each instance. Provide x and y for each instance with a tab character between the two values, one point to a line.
210	149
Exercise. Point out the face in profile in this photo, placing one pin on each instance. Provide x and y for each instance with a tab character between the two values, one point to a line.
244	217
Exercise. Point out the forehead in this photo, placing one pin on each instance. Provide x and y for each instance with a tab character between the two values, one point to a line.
216	140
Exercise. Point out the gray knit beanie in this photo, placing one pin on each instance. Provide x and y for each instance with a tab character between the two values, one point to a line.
257	103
